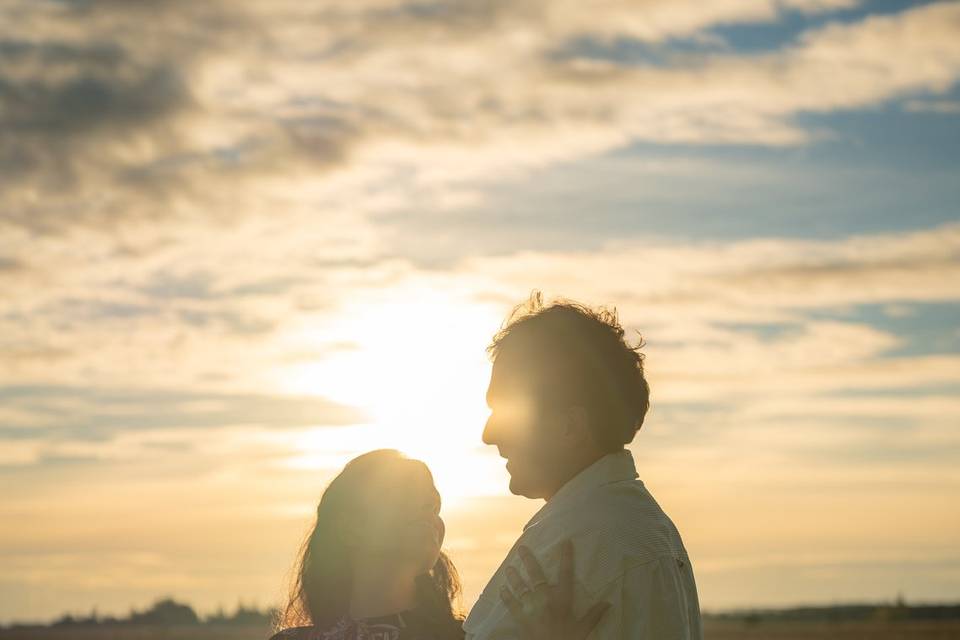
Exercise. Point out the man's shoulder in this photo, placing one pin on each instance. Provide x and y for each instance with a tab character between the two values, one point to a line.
625	501
621	518
630	500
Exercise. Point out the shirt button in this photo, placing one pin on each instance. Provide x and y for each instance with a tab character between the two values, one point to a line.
680	563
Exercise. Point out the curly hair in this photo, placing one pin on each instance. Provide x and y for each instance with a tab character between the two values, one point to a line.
579	356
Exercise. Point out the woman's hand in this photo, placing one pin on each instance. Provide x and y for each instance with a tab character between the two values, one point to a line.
543	611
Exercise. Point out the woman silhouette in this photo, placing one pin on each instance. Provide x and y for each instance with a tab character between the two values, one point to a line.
372	565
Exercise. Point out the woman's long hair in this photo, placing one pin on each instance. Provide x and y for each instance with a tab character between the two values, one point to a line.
320	590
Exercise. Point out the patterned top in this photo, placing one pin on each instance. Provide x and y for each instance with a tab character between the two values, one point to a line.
406	625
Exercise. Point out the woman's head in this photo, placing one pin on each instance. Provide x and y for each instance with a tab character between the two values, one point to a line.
382	510
392	511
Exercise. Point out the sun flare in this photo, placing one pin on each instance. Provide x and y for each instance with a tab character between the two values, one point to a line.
413	361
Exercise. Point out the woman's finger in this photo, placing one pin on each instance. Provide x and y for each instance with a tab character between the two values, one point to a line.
516	582
512	604
534	570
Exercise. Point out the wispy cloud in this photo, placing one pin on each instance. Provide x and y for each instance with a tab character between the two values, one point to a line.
933	106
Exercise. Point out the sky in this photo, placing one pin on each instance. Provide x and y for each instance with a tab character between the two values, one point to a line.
244	241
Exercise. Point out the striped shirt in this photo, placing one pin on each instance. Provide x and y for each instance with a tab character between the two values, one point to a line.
627	552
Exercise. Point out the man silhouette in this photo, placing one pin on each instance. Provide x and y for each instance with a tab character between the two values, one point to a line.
566	394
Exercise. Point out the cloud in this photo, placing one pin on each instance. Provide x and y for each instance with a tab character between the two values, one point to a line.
946	107
135	154
216	119
761	279
177	317
95	413
687	298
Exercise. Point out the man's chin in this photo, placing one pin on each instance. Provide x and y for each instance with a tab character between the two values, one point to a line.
520	489
515	487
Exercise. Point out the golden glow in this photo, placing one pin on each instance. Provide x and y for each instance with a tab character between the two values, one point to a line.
413	360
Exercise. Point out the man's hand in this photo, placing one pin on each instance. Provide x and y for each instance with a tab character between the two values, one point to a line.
543	611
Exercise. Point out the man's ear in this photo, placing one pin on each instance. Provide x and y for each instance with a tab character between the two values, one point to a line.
577	422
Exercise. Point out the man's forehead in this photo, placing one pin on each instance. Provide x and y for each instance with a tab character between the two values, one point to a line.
511	375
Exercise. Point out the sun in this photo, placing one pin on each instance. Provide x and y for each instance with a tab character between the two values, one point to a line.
413	360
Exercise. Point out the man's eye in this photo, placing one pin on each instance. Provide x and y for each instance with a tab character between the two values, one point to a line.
518	411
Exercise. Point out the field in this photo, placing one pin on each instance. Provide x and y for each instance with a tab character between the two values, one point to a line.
900	630
714	630
186	632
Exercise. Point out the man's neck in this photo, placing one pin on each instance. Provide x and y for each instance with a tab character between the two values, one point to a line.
381	588
576	468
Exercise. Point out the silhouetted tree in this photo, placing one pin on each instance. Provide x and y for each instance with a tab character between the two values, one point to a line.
166	612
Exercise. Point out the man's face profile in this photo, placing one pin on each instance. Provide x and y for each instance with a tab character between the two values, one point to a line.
518	427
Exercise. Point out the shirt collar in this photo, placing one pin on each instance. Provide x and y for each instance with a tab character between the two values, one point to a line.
613	467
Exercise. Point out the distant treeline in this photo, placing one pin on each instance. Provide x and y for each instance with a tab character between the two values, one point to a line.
167	612
846	613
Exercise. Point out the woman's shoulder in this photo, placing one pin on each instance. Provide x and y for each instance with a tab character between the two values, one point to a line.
298	633
411	625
